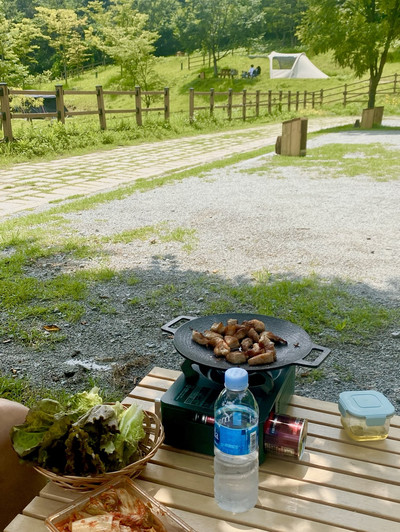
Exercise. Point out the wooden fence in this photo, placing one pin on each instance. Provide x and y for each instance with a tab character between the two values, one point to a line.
7	114
243	105
357	92
245	100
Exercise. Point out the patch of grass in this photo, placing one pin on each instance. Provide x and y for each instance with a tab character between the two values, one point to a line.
319	306
345	375
313	375
167	293
101	275
185	236
341	160
22	391
140	233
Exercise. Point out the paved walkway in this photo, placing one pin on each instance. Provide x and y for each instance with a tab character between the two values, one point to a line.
29	185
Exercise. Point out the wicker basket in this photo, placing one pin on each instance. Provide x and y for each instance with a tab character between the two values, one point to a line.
154	436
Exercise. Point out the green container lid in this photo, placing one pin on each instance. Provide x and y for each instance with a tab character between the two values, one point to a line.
368	404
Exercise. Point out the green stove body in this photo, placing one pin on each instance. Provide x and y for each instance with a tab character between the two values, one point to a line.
187	408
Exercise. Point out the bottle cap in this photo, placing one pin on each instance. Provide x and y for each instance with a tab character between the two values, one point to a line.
236	379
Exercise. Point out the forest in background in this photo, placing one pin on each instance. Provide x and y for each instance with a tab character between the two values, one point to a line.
50	38
47	39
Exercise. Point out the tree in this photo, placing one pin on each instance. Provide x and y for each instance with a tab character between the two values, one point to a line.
161	19
360	33
218	27
282	19
25	35
121	33
64	31
11	69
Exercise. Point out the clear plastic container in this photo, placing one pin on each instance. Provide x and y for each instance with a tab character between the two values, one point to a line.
164	519
365	414
236	444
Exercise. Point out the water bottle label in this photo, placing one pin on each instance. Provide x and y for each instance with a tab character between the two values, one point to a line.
236	441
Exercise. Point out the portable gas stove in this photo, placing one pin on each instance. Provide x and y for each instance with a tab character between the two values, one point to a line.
187	408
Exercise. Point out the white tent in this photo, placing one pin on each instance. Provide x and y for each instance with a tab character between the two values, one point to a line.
292	66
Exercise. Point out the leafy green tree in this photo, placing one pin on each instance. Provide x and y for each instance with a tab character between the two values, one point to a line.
120	32
161	19
19	9
11	69
219	27
64	31
282	19
360	33
25	35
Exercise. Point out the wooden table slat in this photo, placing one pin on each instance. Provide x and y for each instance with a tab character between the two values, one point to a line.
352	452
24	523
288	469
263	518
42	508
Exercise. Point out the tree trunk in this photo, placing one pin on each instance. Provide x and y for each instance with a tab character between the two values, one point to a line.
215	64
373	86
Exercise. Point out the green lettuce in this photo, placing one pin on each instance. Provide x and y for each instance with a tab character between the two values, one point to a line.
84	437
130	433
81	402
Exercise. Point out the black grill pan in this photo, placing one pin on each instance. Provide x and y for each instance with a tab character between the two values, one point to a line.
299	344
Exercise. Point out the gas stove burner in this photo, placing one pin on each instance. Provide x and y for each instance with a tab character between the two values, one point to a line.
256	379
188	404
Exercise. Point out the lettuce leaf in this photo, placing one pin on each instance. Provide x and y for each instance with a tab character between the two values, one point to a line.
81	402
130	433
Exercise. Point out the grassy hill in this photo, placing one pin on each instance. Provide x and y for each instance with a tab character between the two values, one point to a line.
175	74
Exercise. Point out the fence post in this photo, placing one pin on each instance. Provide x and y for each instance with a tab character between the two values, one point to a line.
191	105
212	102
6	113
280	101
257	103
101	108
229	104
166	103
313	100
297	100
305	100
395	83
269	102
138	100
289	100
321	97
60	104
345	95
244	102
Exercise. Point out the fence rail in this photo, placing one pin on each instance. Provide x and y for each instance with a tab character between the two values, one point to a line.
236	105
61	112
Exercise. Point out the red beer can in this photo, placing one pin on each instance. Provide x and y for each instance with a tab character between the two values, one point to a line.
285	435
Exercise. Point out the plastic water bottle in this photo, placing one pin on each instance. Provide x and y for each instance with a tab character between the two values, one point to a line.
236	444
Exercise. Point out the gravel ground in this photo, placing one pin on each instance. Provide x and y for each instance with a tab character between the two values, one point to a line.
292	222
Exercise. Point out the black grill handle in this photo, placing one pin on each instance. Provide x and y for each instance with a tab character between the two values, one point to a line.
320	358
168	326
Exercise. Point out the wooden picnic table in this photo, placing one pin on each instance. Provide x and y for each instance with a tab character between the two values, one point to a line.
338	485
